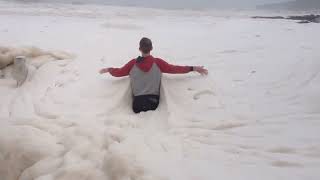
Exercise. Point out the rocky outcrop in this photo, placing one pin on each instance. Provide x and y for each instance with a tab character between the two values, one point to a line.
310	18
268	17
301	19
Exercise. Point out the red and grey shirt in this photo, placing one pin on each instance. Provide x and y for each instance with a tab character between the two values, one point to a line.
145	75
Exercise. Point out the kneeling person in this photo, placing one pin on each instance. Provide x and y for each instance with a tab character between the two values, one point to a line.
145	76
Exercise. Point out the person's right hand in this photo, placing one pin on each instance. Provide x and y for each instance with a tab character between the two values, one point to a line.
201	70
104	70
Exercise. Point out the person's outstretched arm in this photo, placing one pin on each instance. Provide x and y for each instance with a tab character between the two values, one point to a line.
119	72
175	69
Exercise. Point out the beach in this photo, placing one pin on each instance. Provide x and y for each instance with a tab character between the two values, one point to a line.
255	116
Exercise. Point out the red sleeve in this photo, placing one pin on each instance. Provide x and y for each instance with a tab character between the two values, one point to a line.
123	71
172	69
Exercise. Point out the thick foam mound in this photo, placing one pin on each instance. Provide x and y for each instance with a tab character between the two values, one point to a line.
36	55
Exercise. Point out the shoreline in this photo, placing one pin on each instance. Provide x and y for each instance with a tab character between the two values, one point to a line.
99	10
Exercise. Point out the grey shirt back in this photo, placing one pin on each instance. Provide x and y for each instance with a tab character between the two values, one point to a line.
145	83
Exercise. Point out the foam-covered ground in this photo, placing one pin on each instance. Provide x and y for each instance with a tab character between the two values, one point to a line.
256	116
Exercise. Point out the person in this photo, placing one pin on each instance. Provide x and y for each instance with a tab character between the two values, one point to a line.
145	76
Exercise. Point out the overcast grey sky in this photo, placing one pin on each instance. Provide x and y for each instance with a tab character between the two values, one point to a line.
243	2
222	2
260	1
174	3
202	3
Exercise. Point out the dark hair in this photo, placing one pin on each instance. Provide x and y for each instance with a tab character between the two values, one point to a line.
145	45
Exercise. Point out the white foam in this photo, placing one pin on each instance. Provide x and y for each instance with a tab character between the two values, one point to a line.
254	117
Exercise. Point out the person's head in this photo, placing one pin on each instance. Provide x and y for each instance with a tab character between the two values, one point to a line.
145	45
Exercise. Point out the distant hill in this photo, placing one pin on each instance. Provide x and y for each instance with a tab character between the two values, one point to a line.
293	5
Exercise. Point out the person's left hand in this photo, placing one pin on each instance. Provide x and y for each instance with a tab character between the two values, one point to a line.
104	70
201	70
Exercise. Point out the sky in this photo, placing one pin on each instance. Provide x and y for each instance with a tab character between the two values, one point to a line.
176	3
